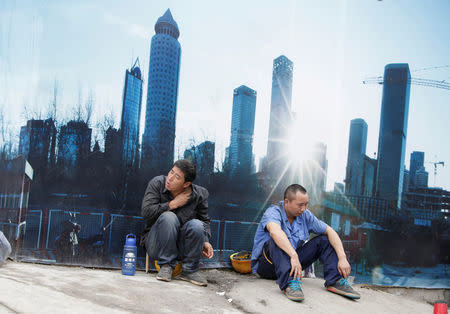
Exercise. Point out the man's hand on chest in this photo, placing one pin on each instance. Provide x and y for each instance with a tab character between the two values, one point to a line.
181	199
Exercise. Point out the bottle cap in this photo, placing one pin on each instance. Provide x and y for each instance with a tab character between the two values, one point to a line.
130	240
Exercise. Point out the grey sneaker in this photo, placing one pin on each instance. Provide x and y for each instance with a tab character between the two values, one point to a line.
294	291
165	273
196	278
342	287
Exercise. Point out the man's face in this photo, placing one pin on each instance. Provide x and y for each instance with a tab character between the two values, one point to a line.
297	205
175	180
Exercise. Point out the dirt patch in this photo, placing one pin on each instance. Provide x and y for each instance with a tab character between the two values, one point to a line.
224	279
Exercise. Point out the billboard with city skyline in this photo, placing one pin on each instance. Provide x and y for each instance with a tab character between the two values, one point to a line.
96	99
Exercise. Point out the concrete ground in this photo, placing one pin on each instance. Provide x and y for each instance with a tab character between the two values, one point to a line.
33	288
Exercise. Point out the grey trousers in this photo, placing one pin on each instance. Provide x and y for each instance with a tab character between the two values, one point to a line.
168	242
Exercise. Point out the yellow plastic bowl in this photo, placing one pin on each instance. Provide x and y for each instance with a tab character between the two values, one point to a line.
241	262
175	272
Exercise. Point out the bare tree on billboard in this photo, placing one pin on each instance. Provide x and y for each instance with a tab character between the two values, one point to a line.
104	124
52	106
77	111
8	137
30	112
88	106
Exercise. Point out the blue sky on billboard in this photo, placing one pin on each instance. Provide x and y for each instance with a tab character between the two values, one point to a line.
334	45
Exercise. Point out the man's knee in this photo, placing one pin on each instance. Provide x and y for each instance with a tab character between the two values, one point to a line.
195	226
168	218
321	241
277	255
323	238
165	230
272	245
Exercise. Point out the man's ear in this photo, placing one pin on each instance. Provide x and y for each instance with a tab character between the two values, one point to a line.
186	185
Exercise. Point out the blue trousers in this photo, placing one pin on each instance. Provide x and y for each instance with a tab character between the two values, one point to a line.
168	242
274	263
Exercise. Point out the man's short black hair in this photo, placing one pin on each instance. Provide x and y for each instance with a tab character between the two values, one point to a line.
292	190
188	168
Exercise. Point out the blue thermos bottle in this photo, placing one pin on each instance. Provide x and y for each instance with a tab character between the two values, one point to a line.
129	255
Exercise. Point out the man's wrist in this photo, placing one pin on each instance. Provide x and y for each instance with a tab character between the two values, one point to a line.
293	254
172	205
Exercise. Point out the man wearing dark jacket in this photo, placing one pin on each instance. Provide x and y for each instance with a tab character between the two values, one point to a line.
177	223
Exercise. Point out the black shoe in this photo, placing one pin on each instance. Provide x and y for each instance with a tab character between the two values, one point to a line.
294	291
196	278
342	287
165	273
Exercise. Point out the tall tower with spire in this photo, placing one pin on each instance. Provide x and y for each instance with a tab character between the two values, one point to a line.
280	116
162	95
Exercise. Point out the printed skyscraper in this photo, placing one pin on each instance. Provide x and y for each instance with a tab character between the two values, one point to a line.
162	94
356	152
37	144
361	169
203	157
131	115
416	163
74	145
393	129
280	114
242	129
318	170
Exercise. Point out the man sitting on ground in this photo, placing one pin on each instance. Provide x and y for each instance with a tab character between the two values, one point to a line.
177	223
280	251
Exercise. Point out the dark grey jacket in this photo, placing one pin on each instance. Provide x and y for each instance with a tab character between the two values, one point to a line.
156	201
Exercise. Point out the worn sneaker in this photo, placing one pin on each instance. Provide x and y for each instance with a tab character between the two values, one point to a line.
294	291
342	287
165	273
196	278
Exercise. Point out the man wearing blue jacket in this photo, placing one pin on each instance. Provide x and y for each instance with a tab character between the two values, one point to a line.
280	250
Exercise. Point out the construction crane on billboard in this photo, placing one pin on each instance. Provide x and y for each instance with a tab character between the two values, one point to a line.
414	80
435	164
